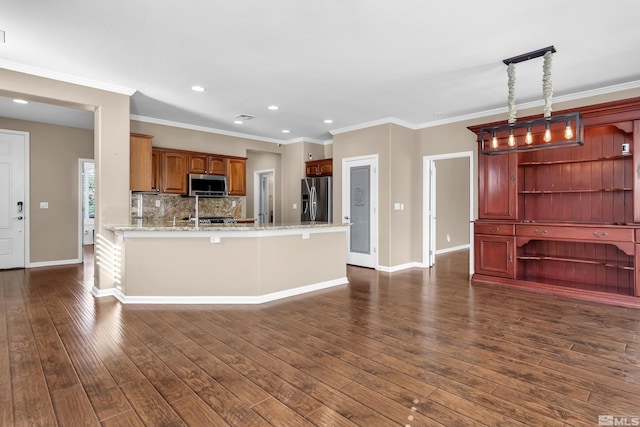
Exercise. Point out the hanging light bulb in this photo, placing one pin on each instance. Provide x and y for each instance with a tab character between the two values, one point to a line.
568	132
512	139
494	141
528	139
547	133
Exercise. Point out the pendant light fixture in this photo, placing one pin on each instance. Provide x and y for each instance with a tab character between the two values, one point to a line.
536	134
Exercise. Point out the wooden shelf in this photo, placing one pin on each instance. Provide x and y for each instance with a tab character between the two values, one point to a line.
564	162
601	190
575	260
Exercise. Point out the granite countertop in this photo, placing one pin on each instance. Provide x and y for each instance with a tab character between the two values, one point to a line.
148	225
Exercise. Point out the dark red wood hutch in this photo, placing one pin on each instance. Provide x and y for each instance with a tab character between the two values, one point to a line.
566	221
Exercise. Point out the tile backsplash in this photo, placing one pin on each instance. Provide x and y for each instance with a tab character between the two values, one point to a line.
150	206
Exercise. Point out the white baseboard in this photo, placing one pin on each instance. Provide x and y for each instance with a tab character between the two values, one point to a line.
400	267
258	299
453	249
53	263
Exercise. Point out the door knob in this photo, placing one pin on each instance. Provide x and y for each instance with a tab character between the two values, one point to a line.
19	218
346	217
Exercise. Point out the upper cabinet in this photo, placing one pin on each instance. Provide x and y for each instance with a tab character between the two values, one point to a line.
165	170
140	177
170	171
237	176
497	198
207	164
322	167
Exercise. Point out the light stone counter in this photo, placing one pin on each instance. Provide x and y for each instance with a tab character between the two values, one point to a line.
222	263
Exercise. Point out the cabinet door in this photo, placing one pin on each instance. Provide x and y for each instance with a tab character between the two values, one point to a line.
156	170
237	176
325	167
495	256
198	163
312	168
217	165
498	186
174	172
140	162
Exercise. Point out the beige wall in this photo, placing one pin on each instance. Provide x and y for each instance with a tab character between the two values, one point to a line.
111	142
53	157
293	172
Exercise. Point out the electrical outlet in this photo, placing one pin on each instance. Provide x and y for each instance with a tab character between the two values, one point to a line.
233	204
157	203
295	206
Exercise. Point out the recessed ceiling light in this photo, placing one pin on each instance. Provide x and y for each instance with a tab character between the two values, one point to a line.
285	131
328	121
273	107
20	101
197	88
238	122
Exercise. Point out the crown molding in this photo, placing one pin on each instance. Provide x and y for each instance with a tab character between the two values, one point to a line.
385	121
204	129
67	78
309	140
556	99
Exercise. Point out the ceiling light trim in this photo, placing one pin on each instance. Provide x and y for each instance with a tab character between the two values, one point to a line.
67	78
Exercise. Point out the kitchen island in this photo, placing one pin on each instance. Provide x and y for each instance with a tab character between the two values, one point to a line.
221	263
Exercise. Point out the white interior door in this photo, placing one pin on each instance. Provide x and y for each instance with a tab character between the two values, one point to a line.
12	199
264	194
359	207
432	213
429	214
264	199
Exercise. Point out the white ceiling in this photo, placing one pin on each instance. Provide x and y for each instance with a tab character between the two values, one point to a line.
353	61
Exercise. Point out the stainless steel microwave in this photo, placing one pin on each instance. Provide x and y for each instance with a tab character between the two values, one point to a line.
208	185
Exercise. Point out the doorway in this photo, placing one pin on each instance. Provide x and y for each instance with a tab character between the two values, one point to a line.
264	195
429	209
86	204
359	207
14	196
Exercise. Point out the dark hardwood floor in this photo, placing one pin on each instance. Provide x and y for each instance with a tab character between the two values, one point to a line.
411	348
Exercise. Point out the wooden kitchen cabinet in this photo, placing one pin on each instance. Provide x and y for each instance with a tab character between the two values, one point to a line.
236	176
322	167
170	171
140	162
207	164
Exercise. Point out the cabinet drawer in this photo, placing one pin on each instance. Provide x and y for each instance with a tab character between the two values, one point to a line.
576	233
499	229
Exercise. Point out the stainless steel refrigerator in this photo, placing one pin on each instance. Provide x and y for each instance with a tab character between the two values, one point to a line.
317	200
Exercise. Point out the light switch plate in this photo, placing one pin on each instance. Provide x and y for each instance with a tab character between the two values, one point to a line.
44	205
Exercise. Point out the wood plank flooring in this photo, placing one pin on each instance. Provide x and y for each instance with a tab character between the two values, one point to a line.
411	348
